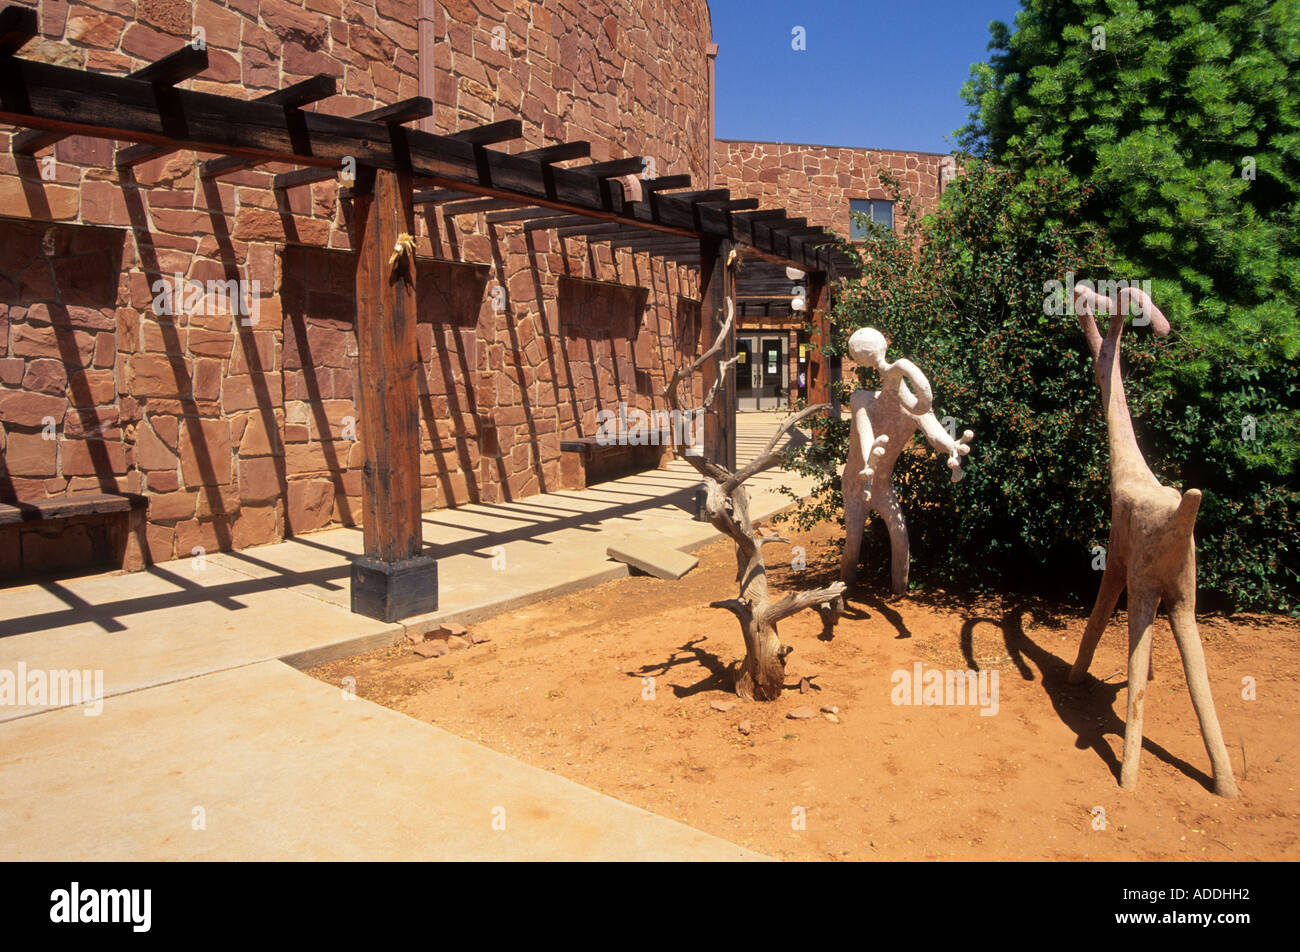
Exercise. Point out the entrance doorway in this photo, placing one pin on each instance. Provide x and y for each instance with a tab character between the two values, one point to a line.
762	371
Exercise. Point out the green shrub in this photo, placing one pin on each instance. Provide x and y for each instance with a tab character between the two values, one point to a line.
962	295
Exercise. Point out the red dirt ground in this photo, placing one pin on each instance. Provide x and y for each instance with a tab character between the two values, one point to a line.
560	685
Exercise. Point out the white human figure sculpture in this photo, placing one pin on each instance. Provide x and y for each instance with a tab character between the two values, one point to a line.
883	423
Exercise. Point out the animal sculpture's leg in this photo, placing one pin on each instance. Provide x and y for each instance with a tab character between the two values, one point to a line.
1142	605
1182	618
1112	584
899	554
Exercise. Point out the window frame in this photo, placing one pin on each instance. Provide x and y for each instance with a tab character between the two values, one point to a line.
872	205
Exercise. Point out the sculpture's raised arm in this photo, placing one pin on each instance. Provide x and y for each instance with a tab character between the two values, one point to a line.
917	399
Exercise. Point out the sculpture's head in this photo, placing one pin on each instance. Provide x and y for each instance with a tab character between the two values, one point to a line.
867	347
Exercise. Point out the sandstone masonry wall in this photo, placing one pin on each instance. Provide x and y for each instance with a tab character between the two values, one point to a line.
817	182
242	430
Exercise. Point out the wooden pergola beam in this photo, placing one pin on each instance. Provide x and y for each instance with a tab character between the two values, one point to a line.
526	214
674	253
638	238
407	110
700	197
598	231
612	169
481	205
173	68
735	204
435	196
572	225
665	182
71	101
492	133
560	152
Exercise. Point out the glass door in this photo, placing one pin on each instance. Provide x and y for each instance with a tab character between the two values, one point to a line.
747	369
773	372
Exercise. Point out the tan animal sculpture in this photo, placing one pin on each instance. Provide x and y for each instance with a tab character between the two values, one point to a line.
1151	550
881	424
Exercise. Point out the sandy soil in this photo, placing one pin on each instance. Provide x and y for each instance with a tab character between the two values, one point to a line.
563	685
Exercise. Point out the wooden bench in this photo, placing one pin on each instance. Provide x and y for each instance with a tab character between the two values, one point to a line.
584	461
78	531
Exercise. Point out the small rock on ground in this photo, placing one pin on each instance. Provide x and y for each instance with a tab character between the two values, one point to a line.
830	709
434	648
801	713
723	706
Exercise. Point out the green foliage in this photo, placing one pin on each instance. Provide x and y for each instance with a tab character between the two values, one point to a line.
1182	119
962	294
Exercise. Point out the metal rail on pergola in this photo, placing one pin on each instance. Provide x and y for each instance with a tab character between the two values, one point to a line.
398	169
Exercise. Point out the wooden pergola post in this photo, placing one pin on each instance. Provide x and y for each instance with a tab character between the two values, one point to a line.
717	283
393	579
821	369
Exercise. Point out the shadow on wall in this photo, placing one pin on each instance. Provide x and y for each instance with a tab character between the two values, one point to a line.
323	456
60	425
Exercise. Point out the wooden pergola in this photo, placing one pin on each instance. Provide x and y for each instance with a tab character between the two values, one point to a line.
397	169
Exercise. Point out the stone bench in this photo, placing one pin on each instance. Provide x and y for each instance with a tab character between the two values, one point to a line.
584	461
91	531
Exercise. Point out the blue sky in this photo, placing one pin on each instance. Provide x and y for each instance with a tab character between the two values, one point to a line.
884	75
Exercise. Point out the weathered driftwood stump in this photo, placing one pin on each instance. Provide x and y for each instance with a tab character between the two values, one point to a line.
882	424
761	675
1151	551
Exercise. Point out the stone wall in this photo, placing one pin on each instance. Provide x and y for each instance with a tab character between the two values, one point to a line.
817	182
240	425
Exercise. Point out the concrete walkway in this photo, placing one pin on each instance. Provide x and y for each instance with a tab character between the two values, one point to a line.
203	708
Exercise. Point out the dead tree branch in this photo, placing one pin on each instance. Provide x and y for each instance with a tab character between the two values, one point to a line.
761	675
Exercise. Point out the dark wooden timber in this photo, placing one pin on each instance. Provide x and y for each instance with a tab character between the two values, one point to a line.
818	372
612	169
572	224
638	238
665	182
435	196
560	152
176	67
701	197
74	102
736	204
407	110
526	214
393	579
715	289
173	68
492	133
479	205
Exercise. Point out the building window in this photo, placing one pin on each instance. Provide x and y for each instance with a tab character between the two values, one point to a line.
874	210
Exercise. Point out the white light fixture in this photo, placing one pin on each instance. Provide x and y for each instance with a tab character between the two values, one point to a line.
794	274
798	304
